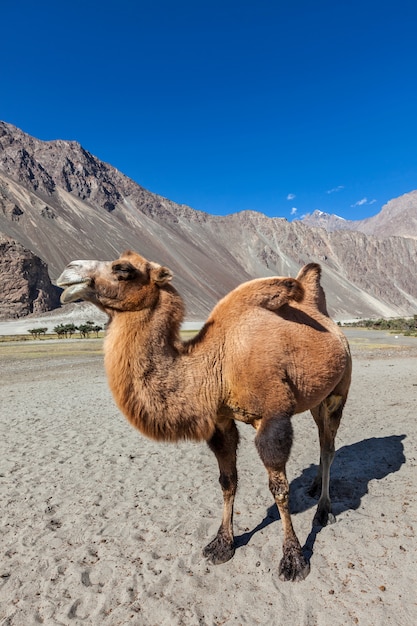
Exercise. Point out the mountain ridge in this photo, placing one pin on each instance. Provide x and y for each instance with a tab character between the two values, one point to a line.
61	202
397	218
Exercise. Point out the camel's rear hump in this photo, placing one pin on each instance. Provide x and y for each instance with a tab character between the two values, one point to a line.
309	276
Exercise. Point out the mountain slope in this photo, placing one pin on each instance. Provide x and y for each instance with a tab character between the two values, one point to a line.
62	203
398	217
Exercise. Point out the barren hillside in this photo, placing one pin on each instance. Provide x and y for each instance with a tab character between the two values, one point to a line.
62	203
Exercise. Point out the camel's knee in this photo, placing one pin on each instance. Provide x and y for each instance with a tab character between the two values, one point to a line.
274	441
279	487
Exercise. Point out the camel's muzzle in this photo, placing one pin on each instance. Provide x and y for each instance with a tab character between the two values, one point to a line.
74	281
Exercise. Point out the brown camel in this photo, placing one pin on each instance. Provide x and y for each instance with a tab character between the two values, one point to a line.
267	351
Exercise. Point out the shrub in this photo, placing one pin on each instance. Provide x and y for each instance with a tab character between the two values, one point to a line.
37	332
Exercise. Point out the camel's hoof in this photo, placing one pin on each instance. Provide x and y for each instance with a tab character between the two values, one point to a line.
219	550
293	566
323	518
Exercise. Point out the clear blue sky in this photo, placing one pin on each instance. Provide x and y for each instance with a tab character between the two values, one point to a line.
282	107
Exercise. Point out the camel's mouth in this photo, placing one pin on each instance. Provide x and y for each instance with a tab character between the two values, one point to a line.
73	291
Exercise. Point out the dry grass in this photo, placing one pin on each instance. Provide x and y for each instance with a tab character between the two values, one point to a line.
25	347
22	347
50	349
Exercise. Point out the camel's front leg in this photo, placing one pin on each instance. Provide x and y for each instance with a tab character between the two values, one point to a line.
274	440
224	445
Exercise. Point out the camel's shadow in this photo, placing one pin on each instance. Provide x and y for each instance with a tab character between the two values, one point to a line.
353	467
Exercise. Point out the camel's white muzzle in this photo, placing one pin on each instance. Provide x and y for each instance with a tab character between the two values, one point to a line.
76	279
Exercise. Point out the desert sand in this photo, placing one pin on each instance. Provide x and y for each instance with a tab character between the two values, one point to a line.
100	526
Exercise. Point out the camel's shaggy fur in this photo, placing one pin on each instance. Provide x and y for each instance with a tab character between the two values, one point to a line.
267	351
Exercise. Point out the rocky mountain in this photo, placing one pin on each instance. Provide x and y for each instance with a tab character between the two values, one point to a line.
25	284
397	218
328	221
62	203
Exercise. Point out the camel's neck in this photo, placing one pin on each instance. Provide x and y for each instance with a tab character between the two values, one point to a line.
154	382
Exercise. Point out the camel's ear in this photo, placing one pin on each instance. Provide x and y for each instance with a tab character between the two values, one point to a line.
160	275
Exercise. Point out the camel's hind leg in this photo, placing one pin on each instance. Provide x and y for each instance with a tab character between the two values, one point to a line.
327	417
224	445
273	441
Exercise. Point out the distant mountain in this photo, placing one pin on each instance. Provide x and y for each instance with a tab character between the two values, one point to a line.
397	218
329	222
62	203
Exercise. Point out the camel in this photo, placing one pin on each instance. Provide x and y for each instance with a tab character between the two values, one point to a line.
267	351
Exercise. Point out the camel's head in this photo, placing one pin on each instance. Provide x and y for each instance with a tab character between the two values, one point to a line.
130	283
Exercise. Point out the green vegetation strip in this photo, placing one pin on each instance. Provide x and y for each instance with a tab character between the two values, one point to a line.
406	326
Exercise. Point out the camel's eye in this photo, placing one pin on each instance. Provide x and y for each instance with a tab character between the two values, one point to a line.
124	271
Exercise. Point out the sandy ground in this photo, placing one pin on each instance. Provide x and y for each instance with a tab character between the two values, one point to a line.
100	526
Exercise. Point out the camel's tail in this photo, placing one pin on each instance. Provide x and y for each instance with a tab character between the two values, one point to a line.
309	277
